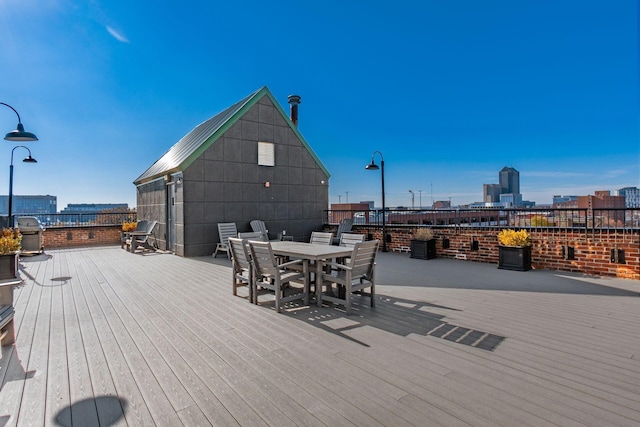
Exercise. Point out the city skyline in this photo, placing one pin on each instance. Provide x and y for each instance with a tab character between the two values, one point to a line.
448	93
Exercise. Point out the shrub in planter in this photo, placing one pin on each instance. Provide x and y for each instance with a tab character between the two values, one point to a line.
10	245
514	250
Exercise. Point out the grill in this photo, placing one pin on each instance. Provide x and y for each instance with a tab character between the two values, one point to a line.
31	231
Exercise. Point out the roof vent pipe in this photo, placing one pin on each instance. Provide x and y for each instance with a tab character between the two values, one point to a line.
294	100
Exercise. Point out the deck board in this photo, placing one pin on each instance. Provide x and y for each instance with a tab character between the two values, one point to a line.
106	337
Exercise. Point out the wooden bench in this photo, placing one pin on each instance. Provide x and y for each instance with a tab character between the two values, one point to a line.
7	332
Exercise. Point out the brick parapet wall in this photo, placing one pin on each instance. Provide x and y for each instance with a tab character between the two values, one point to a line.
592	251
66	237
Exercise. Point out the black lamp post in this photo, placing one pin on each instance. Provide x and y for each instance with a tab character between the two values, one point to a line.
19	134
26	160
373	167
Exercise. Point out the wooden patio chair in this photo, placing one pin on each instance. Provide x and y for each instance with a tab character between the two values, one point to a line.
355	276
259	226
350	239
321	238
268	274
344	226
141	225
242	271
252	235
140	238
225	230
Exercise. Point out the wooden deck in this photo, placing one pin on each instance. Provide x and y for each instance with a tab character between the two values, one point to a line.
106	337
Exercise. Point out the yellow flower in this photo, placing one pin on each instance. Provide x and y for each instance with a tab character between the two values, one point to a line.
514	238
10	241
129	226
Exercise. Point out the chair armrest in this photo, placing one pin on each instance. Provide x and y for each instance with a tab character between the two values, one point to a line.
337	265
290	263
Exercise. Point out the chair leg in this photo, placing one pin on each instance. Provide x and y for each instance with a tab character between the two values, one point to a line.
347	298
373	294
278	291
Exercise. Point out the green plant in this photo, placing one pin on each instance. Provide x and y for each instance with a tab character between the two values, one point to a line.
10	241
424	234
509	237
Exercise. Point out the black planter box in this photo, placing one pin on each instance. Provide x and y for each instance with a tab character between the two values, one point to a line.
8	266
423	249
514	258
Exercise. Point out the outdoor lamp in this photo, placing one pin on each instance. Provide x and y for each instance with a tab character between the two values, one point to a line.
373	167
19	134
28	159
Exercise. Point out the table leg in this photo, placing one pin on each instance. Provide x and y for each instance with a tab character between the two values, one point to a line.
319	264
307	281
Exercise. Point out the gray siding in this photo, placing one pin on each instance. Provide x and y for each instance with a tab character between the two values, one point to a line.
226	184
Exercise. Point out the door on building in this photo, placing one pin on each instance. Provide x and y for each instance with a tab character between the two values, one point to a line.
171	216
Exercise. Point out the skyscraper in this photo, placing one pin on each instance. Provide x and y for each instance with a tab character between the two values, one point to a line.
509	181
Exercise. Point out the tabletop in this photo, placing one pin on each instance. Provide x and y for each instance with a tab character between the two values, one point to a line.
309	251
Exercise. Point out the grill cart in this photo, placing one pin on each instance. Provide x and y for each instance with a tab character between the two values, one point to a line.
31	231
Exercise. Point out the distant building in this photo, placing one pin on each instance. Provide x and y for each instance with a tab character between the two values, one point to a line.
565	201
442	204
601	200
491	193
506	193
511	200
29	205
631	196
93	207
509	181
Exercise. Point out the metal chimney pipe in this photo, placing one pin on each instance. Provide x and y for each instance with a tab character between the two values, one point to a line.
294	100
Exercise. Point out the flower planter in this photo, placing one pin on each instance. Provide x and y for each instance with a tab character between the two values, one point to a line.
423	249
516	258
8	266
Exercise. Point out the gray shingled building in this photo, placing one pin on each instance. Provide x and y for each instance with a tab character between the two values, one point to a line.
247	162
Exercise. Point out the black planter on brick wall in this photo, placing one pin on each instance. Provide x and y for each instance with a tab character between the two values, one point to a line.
423	249
514	258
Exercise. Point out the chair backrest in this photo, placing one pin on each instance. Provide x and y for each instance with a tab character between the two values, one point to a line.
350	239
321	238
251	235
142	225
264	262
240	254
363	258
344	226
148	228
226	230
259	226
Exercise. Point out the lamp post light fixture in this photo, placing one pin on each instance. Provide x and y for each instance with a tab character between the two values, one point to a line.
19	134
413	199
373	167
28	159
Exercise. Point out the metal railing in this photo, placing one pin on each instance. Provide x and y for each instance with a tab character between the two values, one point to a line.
89	219
572	218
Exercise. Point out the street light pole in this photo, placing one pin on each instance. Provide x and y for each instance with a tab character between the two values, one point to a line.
26	160
373	166
413	198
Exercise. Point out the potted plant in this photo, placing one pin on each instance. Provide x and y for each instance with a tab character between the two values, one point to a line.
10	245
423	244
514	250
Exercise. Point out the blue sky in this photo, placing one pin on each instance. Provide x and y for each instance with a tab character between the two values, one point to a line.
449	91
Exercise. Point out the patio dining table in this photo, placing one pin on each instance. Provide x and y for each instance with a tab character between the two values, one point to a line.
311	252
